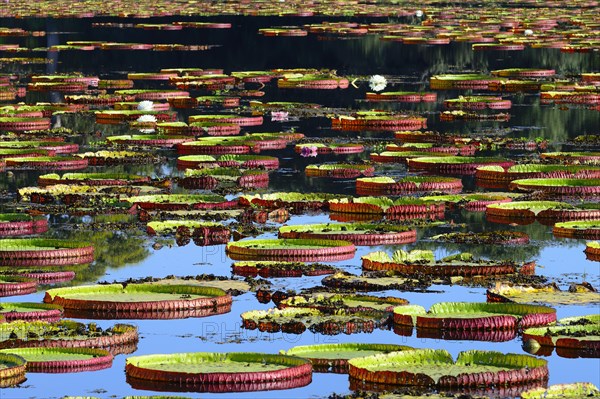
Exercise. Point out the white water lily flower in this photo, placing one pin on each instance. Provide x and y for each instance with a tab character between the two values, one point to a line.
377	82
146	118
528	32
145	105
419	13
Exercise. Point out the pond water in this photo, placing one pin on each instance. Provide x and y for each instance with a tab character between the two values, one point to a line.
129	254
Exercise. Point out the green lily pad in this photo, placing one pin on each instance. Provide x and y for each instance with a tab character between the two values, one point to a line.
563	391
120	338
13	370
548	294
572	337
423	262
436	368
357	233
334	357
474	316
326	301
297	320
63	360
140	301
218	372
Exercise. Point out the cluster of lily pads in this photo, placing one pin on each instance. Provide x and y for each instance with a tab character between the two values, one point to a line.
204	172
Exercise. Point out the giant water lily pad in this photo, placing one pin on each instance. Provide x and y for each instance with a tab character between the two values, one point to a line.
229	160
422	262
229	285
548	294
331	302
218	372
455	165
356	233
410	184
181	201
63	360
297	320
267	269
339	170
100	179
388	206
334	357
588	229
291	249
499	174
16	224
592	250
203	233
572	337
352	282
546	212
298	202
119	338
12	311
47	163
12	370
471	201
498	237
211	178
465	316
436	368
563	391
522	209
16	285
140	301
44	251
570	186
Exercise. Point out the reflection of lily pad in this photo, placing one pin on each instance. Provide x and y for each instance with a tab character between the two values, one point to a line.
63	360
436	368
334	357
219	372
548	294
140	301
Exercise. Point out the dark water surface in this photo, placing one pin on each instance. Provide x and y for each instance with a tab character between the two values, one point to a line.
130	255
